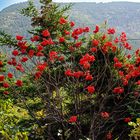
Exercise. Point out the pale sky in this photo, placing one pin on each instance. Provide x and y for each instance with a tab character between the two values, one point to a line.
94	0
6	3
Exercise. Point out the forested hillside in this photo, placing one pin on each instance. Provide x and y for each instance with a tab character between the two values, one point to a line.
122	15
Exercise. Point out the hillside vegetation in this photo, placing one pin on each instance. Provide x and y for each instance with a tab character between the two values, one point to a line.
122	15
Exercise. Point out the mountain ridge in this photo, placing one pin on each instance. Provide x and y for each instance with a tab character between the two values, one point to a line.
122	15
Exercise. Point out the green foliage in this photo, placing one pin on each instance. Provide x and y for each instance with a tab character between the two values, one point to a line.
135	132
30	10
7	40
10	117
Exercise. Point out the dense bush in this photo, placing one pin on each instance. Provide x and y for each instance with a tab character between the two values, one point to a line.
86	83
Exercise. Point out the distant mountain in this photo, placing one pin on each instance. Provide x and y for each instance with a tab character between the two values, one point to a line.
125	16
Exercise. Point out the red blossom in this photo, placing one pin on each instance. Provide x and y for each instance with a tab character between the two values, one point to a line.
104	37
114	48
38	74
128	119
109	136
91	89
20	68
78	74
61	39
138	82
127	45
44	42
137	52
15	52
121	73
18	37
138	60
118	90
22	44
77	32
62	21
42	67
78	44
86	59
53	55
2	77
39	54
19	83
39	47
6	85
68	72
31	53
50	41
118	65
125	82
89	77
6	92
61	58
86	29
95	42
116	40
71	48
10	75
72	23
111	31
96	29
12	62
45	33
23	51
24	59
128	56
66	32
1	63
86	65
123	37
93	49
35	38
73	119
105	115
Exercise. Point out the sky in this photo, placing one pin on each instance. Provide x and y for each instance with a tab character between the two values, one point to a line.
6	3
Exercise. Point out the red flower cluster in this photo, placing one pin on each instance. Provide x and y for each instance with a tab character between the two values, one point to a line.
128	119
42	67
45	33
35	38
61	39
2	77
91	89
10	75
20	38
62	21
53	55
118	90
19	83
95	42
15	52
96	29
73	119
111	31
86	59
105	115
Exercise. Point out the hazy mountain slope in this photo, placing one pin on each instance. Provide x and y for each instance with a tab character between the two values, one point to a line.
123	15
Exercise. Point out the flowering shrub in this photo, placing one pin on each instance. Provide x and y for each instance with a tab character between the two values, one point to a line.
86	79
